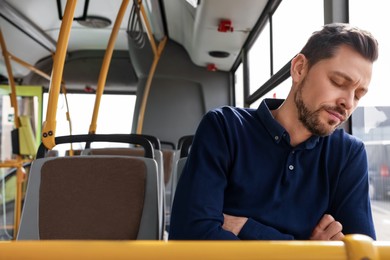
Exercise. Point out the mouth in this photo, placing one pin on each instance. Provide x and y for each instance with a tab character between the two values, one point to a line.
336	116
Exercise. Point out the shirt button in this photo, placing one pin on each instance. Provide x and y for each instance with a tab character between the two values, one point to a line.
276	137
291	167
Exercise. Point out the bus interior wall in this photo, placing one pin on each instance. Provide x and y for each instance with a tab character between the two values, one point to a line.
187	88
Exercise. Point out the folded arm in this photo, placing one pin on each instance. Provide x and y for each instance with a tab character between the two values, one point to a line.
327	229
198	207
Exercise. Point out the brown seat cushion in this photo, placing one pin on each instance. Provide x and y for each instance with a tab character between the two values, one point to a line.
91	198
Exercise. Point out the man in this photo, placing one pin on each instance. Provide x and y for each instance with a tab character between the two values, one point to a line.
284	171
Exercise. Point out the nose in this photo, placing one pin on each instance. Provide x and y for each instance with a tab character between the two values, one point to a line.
347	100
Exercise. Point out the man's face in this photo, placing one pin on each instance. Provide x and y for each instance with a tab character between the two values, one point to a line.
329	92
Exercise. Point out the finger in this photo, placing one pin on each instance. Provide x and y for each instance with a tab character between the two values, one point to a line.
338	236
334	228
325	221
328	228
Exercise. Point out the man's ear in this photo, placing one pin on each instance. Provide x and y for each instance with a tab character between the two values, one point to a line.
298	67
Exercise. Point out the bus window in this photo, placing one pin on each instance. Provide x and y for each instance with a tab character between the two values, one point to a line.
259	60
239	87
265	61
115	115
29	105
371	120
281	91
290	29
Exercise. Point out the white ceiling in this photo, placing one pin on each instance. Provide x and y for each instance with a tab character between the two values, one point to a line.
195	29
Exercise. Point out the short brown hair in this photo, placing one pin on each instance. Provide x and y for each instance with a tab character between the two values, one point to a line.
324	43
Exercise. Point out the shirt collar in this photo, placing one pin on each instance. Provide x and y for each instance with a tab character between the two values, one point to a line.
276	130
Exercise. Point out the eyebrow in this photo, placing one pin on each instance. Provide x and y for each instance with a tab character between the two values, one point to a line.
350	80
343	75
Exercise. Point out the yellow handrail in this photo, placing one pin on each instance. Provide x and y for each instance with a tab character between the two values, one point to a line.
7	62
291	250
30	67
106	64
20	178
107	58
46	76
157	54
49	126
42	74
148	84
17	163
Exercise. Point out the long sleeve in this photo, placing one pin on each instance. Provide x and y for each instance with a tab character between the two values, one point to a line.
351	202
199	197
198	206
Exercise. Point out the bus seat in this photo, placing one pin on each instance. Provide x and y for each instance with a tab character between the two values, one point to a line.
129	151
168	157
176	175
168	149
91	197
113	138
184	145
73	152
125	151
168	161
52	153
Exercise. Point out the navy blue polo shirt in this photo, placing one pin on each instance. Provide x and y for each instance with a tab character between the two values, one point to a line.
241	163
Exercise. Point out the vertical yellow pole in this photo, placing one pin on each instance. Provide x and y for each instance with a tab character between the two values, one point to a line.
20	177
49	126
7	62
106	65
14	104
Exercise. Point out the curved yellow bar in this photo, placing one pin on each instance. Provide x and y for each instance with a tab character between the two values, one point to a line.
11	80
106	64
29	66
49	126
141	114
199	250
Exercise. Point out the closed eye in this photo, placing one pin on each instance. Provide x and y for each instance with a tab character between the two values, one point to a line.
336	83
360	93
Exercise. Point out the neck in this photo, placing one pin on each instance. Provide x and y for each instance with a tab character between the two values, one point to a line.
287	116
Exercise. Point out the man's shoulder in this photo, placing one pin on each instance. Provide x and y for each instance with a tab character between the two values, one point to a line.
231	117
231	111
341	135
340	138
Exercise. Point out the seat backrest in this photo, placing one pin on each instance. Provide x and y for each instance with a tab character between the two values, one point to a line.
123	151
113	138
184	146
168	158
176	176
91	197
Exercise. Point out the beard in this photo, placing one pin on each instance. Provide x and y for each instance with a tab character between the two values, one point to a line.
311	119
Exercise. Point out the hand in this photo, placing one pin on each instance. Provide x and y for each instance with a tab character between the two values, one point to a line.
327	229
233	224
